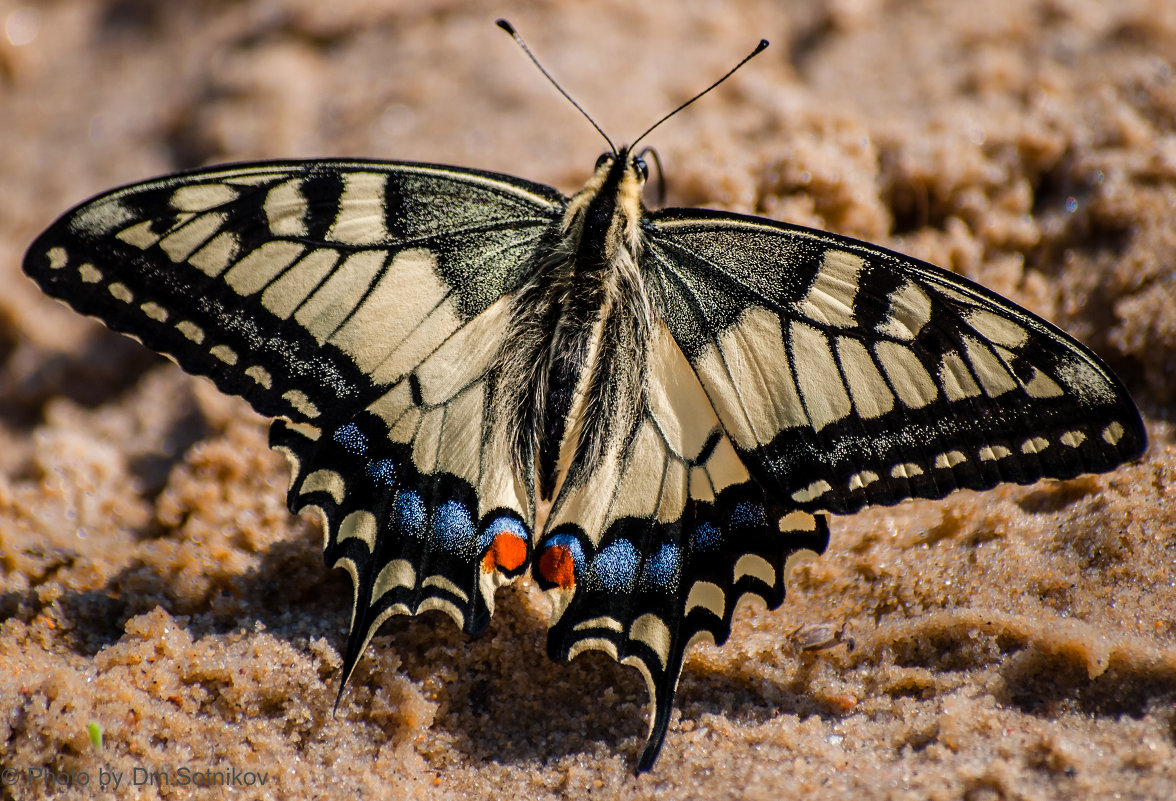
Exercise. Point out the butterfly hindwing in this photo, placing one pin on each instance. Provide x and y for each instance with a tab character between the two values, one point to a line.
847	375
417	507
655	550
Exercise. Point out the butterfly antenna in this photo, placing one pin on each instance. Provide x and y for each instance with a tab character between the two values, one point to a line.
758	49
506	26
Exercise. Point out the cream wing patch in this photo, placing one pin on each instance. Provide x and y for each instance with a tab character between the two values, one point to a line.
465	355
260	266
955	378
439	407
285	209
825	398
871	396
997	328
216	255
994	378
830	299
361	217
287	293
437	326
909	310
336	298
747	376
907	374
407	291
202	197
679	406
182	242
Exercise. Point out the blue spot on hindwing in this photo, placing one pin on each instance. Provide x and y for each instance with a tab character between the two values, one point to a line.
615	567
747	514
409	513
352	439
382	471
706	536
453	528
660	571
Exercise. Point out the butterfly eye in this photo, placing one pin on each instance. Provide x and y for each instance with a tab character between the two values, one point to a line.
641	167
600	162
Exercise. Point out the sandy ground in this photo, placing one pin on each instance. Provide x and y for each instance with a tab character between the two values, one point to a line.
1019	643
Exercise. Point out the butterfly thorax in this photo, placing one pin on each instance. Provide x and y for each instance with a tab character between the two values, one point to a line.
570	377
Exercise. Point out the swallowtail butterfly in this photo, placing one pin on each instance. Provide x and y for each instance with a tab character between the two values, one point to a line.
474	377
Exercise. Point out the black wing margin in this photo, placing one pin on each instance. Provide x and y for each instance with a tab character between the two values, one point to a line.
848	375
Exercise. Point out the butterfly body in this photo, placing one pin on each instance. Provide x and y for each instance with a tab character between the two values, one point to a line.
566	375
473	376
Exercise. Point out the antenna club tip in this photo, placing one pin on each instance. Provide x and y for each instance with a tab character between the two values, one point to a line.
506	26
763	44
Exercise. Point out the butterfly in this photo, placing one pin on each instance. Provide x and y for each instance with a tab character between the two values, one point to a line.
475	377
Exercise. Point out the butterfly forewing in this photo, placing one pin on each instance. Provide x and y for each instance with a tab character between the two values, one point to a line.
847	375
292	284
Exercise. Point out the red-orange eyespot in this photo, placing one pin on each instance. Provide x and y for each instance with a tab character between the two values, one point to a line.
557	565
507	553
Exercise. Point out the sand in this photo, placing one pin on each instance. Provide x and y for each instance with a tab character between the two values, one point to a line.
1019	643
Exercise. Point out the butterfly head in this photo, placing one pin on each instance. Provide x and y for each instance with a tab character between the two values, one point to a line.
608	209
622	169
621	176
